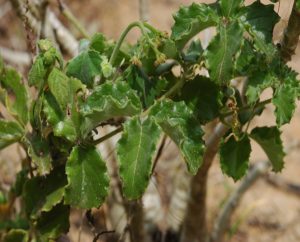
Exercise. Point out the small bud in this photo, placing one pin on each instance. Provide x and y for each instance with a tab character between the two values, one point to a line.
44	45
136	61
107	68
161	58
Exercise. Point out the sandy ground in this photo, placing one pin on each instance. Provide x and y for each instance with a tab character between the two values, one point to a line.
265	214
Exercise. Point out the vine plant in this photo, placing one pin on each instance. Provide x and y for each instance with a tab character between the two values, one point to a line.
54	112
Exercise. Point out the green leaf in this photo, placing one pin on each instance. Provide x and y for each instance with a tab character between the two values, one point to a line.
98	43
168	47
135	153
247	59
234	157
269	140
259	20
16	223
284	101
229	7
50	225
298	4
38	150
194	52
65	124
87	178
109	100
11	81
36	112
52	110
53	199
179	123
21	178
85	67
257	82
37	73
10	132
67	129
191	20
221	52
16	235
148	88
1	65
59	86
3	199
42	193
83	45
201	95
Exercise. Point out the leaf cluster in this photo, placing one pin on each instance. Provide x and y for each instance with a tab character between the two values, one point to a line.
55	113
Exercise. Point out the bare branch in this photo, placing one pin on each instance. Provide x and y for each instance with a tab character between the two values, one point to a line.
256	171
291	36
70	16
4	9
15	57
194	225
144	10
223	220
64	37
134	210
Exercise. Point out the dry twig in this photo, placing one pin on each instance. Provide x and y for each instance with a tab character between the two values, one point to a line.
144	10
223	220
64	37
15	57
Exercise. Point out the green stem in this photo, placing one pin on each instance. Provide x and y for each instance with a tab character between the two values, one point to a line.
168	94
142	26
107	136
151	28
173	90
122	37
69	15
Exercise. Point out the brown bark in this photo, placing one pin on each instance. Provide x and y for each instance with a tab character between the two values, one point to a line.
291	36
135	215
194	225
